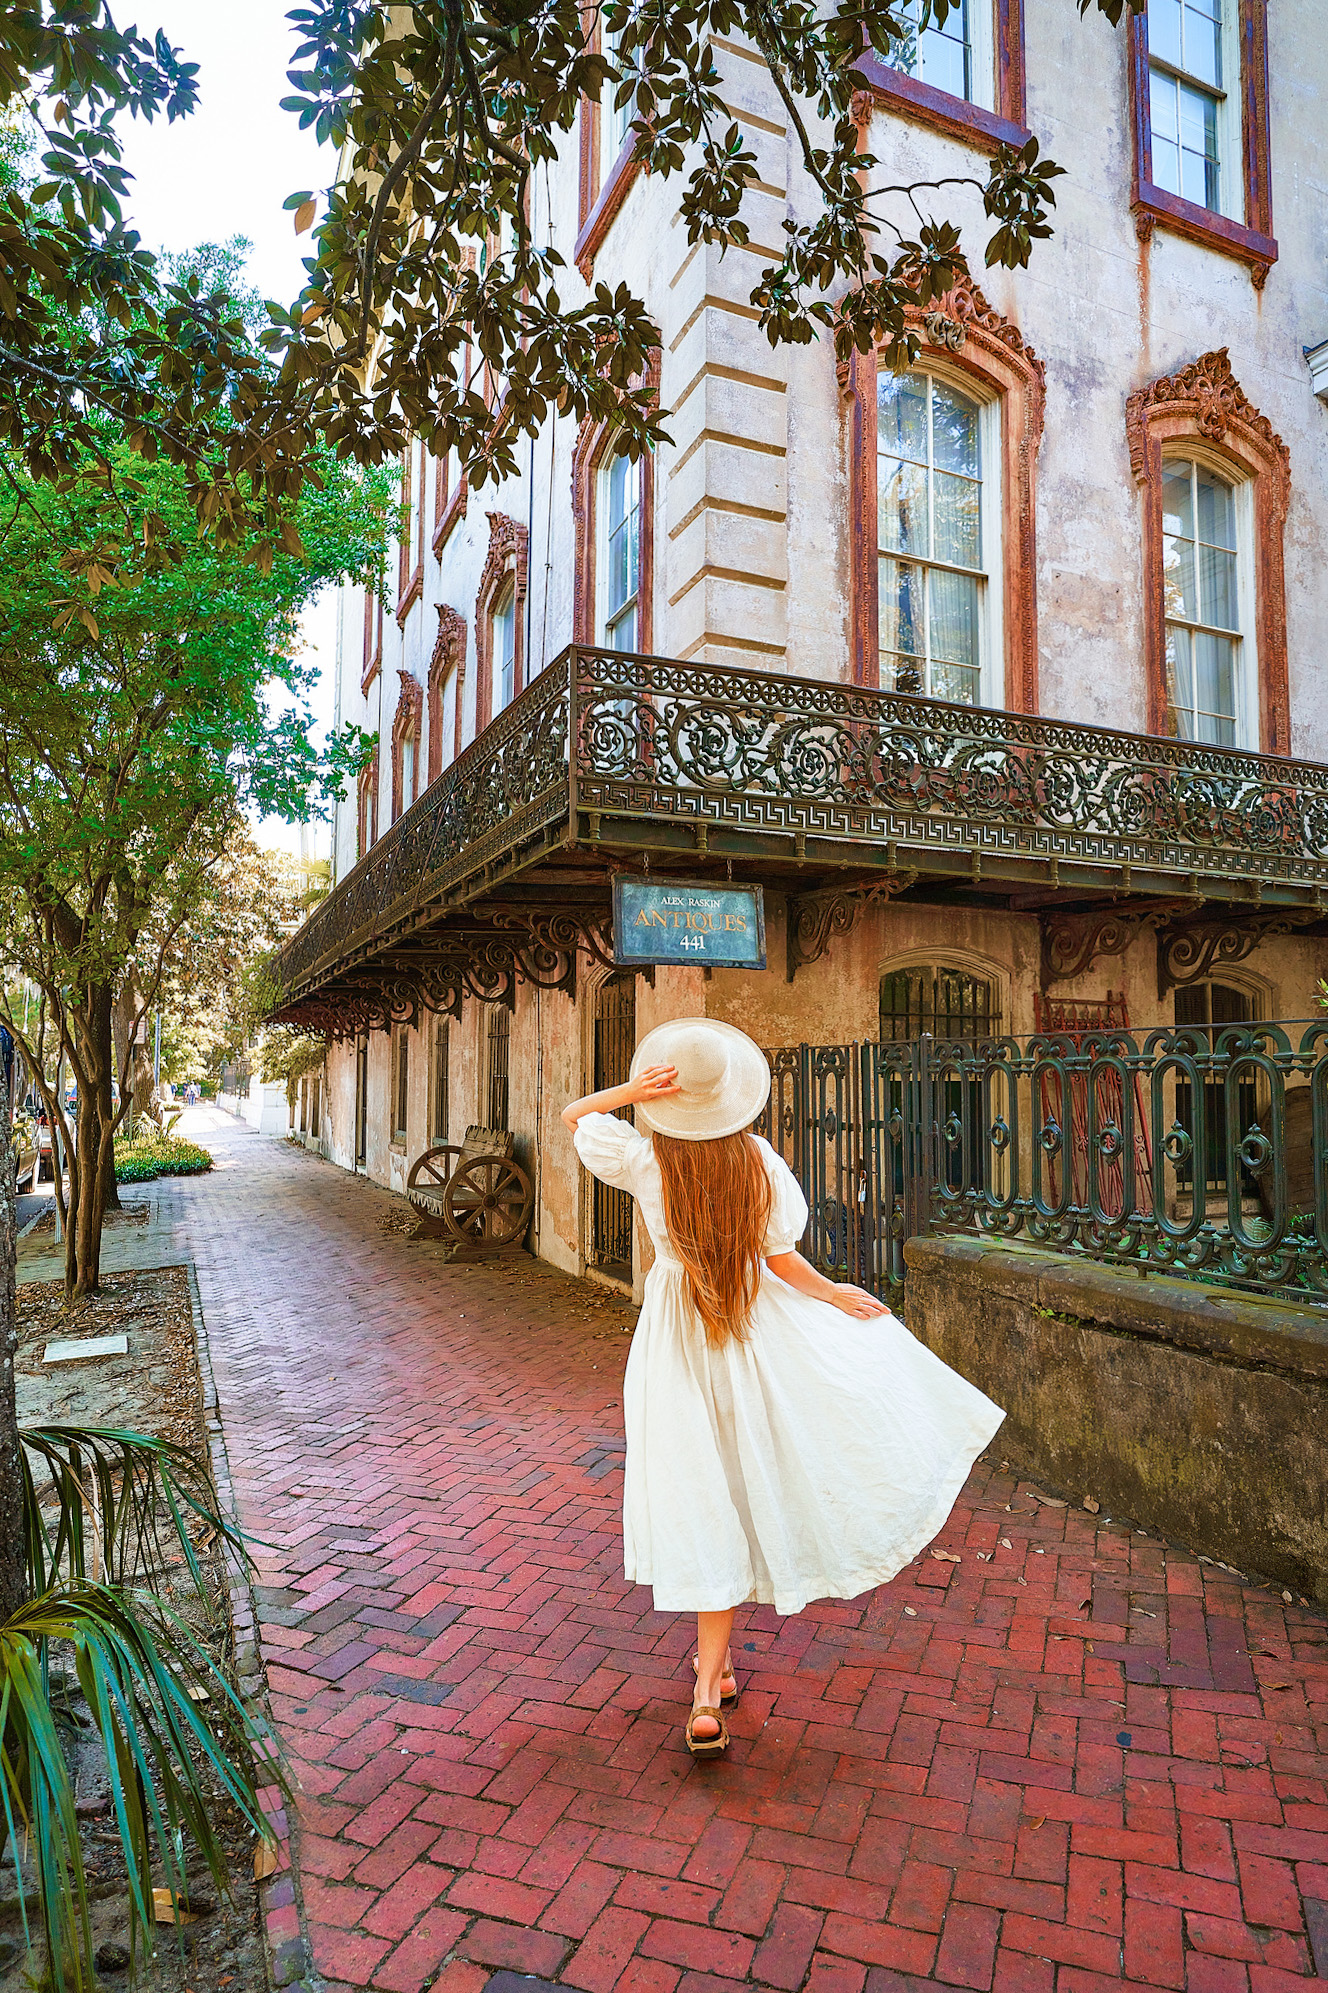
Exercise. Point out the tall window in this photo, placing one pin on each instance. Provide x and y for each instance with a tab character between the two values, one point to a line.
954	55
438	1092
621	513
618	118
401	1090
933	584
1195	123
498	1036
504	649
1202	588
407	771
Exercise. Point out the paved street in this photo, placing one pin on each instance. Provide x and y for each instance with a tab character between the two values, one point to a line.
1072	1756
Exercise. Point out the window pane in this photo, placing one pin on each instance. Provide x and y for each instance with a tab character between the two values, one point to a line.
620	634
1217	588
901	592
1180	597
1198	143
902	507
1164	116
1215	688
1203	45
1180	682
901	416
1177	508
1164	30
940	56
1217	510
954	624
958	520
954	429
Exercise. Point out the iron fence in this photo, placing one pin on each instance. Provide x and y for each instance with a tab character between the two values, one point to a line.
1198	1151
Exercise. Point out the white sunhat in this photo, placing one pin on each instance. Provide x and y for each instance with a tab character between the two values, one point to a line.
725	1079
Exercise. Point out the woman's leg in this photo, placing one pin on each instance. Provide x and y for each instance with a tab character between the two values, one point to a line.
712	1651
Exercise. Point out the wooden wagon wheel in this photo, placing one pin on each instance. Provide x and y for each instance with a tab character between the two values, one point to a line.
488	1202
430	1171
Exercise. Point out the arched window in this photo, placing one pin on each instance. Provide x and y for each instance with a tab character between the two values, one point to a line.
500	620
1216	479
946	1003
405	742
942	512
620	511
1207	683
933	543
504	649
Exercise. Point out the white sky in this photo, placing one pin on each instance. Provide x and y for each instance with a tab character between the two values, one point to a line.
226	171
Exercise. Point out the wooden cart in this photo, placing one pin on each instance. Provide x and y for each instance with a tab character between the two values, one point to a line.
480	1204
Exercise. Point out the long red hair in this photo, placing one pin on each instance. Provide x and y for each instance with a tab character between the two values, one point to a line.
717	1209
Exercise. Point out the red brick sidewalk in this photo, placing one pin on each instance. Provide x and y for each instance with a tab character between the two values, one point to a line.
1073	1756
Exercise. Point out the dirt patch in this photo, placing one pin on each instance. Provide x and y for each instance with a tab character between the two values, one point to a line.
128	1214
155	1389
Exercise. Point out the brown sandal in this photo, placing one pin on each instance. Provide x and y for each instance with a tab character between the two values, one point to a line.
707	1747
726	1701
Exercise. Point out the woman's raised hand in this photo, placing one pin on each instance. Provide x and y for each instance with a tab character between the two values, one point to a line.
856	1301
650	1082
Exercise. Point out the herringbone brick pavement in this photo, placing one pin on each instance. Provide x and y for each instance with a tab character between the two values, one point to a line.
1074	1756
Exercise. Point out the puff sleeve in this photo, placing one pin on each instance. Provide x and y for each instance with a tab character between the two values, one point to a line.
609	1148
788	1209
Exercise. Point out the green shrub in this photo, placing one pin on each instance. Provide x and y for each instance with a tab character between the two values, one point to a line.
152	1154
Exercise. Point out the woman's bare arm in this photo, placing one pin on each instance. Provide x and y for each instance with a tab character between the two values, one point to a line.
648	1085
856	1301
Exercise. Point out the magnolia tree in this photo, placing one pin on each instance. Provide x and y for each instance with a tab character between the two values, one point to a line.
439	112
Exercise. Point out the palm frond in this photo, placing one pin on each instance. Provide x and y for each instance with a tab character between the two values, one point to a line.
119	1494
136	1664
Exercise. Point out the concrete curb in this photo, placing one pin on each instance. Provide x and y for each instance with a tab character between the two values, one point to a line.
281	1901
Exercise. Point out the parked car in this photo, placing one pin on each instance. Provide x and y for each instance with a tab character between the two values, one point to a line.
25	1152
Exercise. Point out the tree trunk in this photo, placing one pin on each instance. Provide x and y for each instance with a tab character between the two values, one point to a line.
13	1559
92	1025
110	1190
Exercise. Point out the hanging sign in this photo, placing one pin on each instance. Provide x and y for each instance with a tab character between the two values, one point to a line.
679	920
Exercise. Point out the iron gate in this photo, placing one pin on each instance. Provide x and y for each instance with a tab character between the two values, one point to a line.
1099	1143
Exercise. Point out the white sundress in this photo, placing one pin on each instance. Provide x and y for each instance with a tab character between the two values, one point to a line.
811	1461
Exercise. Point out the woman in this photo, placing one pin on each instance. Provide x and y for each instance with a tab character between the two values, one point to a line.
775	1452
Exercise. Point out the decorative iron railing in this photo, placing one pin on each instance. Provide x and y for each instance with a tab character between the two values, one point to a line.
1194	1151
648	753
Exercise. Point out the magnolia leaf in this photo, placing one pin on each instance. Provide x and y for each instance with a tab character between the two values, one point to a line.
304	217
947	1556
168	1909
265	1860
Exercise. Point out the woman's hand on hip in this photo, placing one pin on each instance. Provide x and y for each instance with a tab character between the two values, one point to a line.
856	1301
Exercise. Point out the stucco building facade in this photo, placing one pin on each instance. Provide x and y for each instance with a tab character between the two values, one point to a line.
1099	501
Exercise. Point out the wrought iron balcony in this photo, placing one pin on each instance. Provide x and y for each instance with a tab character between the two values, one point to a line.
828	790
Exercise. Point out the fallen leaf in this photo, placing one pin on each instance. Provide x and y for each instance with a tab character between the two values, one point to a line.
947	1556
1041	1821
1006	1543
1086	1605
1051	1501
265	1860
910	1610
1279	1685
1091	1505
166	1910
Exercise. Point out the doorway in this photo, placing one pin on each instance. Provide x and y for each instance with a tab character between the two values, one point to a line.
614	1028
1203	1011
361	1103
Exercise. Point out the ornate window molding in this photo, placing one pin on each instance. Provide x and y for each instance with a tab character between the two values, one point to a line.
406	727
506	559
449	502
410	550
964	335
373	639
366	807
448	660
599	201
905	96
590	453
1250	240
1205	407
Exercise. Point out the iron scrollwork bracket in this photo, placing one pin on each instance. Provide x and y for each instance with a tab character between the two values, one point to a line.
1186	954
815	919
1072	942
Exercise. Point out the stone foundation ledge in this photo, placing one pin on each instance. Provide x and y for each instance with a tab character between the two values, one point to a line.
1195	1410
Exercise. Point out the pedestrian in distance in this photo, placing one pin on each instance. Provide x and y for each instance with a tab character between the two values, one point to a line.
787	1438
